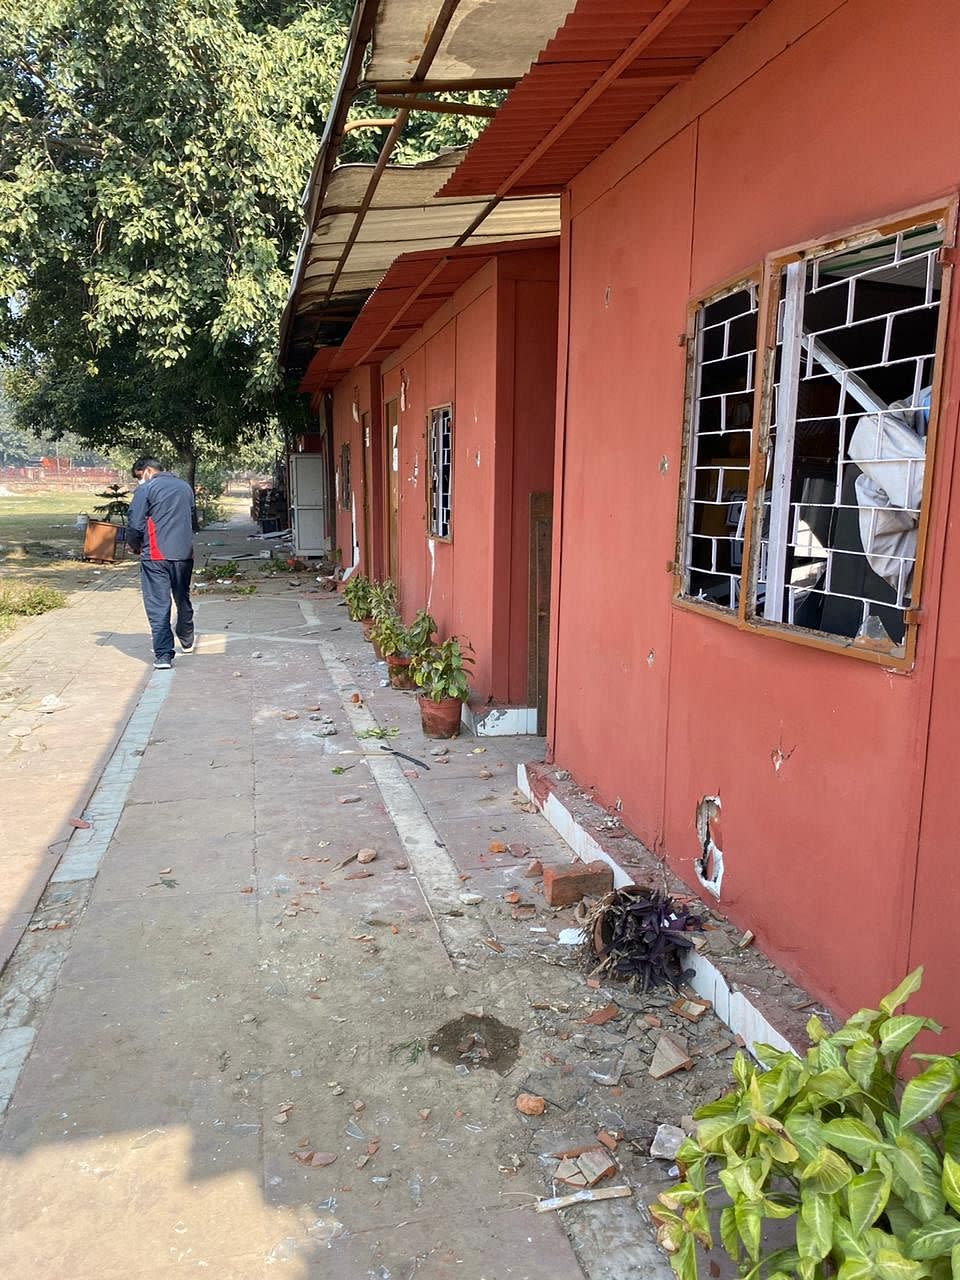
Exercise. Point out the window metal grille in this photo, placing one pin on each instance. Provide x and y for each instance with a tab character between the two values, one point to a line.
856	341
720	417
830	496
441	471
345	488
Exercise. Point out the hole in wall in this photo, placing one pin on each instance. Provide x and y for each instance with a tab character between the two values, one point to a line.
709	864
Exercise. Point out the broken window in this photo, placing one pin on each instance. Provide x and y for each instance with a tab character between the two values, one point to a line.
720	421
833	511
345	477
440	489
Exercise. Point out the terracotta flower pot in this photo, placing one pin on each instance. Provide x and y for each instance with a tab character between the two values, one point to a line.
398	670
440	719
366	624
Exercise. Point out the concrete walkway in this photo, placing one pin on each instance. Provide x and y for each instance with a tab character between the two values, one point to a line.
222	1059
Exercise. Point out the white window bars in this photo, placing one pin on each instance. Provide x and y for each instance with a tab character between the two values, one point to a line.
720	417
440	497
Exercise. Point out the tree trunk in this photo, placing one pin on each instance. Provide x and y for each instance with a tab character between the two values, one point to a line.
188	456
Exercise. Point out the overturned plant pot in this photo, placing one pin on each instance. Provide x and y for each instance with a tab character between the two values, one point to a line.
440	719
398	669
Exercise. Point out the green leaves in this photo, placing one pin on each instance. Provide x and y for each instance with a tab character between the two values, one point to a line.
827	1172
933	1239
950	1182
815	1227
854	1137
867	1195
867	1168
152	163
907	987
927	1092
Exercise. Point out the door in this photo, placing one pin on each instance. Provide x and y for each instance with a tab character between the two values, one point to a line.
367	495
541	537
309	504
391	455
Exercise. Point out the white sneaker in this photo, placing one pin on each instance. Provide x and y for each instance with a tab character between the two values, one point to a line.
163	664
191	647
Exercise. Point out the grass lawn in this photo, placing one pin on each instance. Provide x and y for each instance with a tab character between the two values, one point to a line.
40	550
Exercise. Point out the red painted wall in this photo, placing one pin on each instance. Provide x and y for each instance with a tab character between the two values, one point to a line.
527	321
818	116
358	390
491	353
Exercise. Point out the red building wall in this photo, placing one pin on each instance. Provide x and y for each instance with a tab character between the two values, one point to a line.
818	116
354	396
491	353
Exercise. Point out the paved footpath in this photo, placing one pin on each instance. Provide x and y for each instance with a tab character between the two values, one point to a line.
221	1044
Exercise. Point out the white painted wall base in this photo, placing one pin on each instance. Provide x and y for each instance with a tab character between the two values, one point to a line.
492	722
731	1006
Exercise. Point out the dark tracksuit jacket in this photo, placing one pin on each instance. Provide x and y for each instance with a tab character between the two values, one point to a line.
160	526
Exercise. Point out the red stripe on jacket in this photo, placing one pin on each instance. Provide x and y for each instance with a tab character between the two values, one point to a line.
155	553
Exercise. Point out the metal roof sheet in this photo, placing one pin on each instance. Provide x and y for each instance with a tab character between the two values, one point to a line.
484	41
404	216
557	110
415	286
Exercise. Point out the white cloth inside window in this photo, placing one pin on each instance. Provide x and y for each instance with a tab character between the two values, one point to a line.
890	450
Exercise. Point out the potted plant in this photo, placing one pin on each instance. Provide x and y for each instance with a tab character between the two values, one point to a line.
114	509
102	534
389	637
440	672
383	602
356	592
400	645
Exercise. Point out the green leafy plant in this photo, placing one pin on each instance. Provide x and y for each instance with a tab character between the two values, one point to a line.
420	633
116	506
356	592
378	732
210	510
383	599
389	635
440	671
865	1167
219	572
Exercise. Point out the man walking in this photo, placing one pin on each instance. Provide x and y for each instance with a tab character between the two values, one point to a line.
160	527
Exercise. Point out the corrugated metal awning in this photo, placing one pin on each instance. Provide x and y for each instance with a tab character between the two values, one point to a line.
416	286
484	43
404	216
607	66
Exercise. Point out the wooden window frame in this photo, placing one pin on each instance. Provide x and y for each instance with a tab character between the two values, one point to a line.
744	617
428	467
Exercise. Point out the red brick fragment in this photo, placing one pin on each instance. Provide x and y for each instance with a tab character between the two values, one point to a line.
600	1016
563	886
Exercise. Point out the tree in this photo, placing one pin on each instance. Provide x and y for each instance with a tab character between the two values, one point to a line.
152	154
152	157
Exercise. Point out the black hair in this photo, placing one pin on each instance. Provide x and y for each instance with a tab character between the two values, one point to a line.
141	464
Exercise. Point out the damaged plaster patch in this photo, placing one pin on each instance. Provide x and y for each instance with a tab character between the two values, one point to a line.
779	757
709	865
